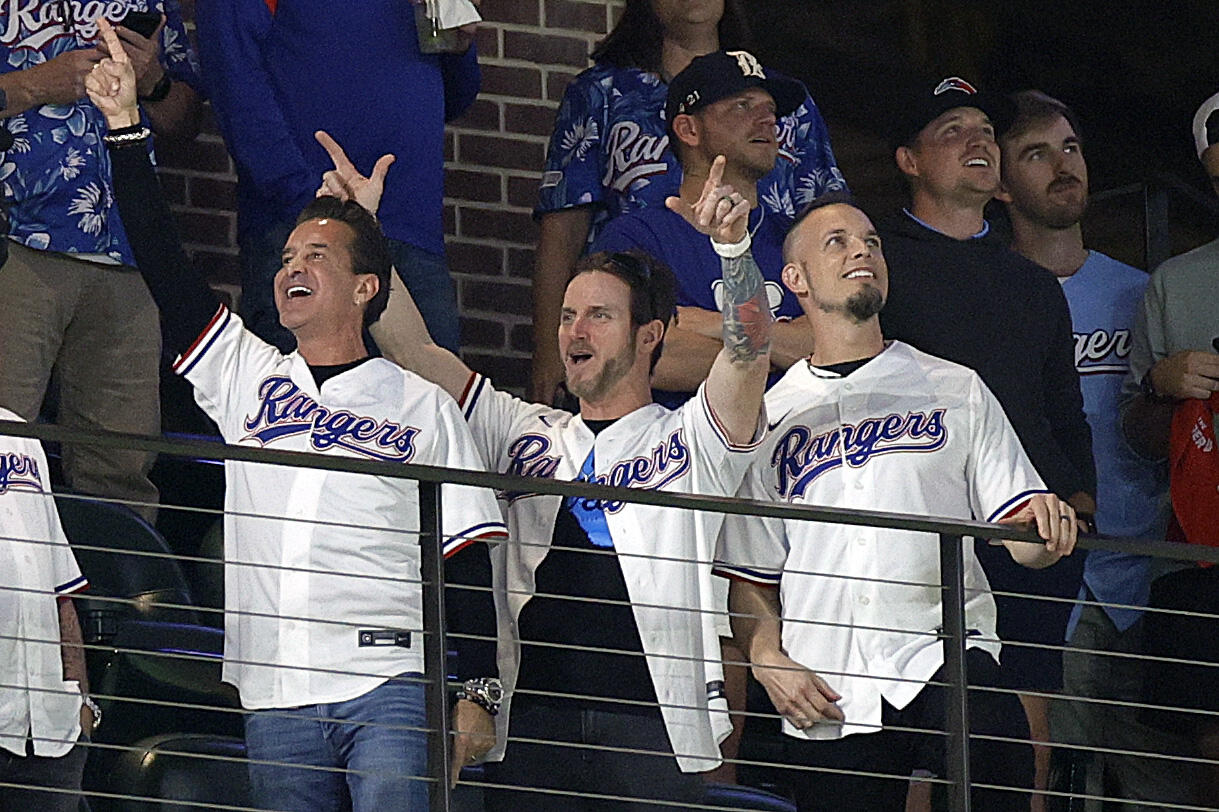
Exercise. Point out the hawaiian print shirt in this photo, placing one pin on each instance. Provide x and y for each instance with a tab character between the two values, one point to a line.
57	173
610	149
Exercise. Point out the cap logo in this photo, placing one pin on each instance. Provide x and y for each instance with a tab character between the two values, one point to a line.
748	64
689	101
954	83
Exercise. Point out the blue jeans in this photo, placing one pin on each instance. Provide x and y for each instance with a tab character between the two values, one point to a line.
366	754
426	276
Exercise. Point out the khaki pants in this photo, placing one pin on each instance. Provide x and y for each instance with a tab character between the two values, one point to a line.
97	327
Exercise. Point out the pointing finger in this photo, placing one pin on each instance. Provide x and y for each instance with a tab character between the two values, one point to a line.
336	153
380	169
113	44
716	174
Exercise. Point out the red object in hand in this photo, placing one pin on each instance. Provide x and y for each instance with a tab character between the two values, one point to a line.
1194	470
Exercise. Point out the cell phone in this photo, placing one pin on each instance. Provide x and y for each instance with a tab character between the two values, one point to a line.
143	23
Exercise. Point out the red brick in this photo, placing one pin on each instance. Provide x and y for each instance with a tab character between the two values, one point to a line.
477	332
520	262
507	373
204	156
557	82
487	41
528	119
480	187
174	186
547	49
486	150
450	220
510	11
506	81
450	139
217	267
206	229
471	258
521	338
482	115
523	191
495	297
517	227
212	193
580	16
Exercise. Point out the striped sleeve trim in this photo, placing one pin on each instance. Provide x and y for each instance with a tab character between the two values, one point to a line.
1013	506
187	360
75	585
479	532
745	574
722	433
469	395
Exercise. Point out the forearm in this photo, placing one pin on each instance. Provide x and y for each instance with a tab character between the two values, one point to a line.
177	115
685	361
26	89
72	645
737	379
403	338
561	240
186	303
1147	425
470	612
791	341
756	627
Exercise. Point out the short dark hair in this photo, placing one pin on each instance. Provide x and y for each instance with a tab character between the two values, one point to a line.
1034	108
652	283
834	197
369	253
638	38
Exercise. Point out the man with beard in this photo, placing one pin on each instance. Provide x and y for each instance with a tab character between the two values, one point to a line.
855	665
608	652
723	103
1045	187
958	292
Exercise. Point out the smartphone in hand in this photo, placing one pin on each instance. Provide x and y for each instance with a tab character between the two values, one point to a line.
143	23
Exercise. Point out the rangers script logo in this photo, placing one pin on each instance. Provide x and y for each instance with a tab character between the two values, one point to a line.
42	22
287	411
19	472
633	154
1102	353
799	458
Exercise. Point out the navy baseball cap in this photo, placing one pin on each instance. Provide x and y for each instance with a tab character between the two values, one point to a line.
921	106
720	74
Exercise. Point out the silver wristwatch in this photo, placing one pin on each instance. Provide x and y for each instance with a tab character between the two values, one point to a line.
97	711
486	692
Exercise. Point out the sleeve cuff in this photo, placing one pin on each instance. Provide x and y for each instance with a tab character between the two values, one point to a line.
487	531
753	576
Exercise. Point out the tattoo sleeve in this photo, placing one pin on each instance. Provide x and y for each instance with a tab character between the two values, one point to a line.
72	645
747	317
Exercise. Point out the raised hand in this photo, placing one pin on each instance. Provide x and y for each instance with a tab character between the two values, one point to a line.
144	53
345	181
720	212
111	84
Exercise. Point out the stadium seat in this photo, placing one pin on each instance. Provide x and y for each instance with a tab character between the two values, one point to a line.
126	559
734	796
184	771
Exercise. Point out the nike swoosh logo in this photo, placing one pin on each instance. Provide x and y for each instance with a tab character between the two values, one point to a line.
775	425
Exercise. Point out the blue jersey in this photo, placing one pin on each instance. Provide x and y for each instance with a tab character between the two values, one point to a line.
57	173
610	149
668	237
1104	296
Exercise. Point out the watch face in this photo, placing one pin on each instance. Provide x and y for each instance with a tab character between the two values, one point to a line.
495	692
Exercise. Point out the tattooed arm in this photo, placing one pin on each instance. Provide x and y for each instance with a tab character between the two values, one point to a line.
738	375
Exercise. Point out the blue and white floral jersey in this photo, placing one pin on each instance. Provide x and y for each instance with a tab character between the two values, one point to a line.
57	173
610	149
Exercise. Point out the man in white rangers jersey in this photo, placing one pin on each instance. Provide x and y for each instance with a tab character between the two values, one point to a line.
604	607
323	608
42	657
867	424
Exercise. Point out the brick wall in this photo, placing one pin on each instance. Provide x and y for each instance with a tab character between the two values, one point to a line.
529	51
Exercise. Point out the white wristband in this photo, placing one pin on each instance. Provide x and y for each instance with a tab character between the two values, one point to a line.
732	250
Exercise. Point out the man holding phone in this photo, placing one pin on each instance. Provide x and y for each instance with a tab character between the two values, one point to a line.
70	300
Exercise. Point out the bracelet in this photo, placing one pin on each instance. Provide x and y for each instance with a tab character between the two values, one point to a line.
732	250
127	136
160	90
97	712
486	692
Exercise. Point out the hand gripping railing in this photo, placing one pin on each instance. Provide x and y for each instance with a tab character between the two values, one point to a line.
951	533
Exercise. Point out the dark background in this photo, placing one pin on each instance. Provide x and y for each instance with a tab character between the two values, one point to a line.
1134	72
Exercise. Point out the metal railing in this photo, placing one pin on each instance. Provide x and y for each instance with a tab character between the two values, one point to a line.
951	534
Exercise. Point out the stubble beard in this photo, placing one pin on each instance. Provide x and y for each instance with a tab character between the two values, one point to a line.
615	370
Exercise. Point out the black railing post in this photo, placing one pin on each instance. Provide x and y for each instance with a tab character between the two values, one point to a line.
952	575
431	568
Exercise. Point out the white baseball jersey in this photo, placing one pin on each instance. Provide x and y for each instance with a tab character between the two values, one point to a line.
36	568
906	433
665	554
312	557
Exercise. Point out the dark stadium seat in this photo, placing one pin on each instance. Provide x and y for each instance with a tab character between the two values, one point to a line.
733	796
124	558
193	770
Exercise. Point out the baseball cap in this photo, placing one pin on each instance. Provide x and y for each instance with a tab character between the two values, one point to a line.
1194	471
1206	124
924	104
720	74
